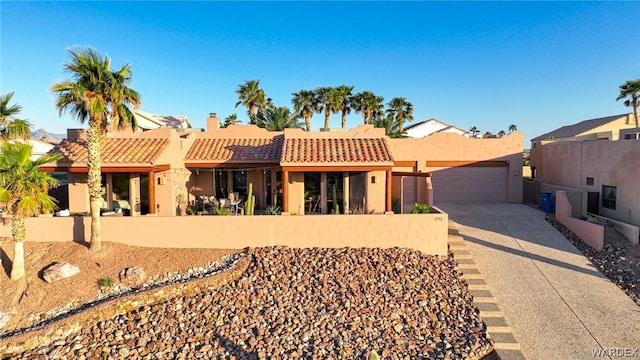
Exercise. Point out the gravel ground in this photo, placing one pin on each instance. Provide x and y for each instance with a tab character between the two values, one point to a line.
618	260
303	303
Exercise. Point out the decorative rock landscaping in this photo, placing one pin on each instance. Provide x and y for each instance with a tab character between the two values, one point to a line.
619	260
301	303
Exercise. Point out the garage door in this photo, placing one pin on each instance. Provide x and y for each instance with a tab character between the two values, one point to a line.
470	184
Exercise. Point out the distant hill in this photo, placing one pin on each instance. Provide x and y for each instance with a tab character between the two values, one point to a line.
42	134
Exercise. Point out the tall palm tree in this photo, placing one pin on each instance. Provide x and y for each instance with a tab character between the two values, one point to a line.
23	189
102	97
11	127
401	109
278	119
513	128
631	90
388	123
230	120
328	102
367	103
249	94
474	131
502	133
344	99
305	103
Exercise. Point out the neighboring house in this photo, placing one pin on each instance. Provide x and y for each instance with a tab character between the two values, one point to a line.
599	177
148	121
40	147
604	128
432	126
300	171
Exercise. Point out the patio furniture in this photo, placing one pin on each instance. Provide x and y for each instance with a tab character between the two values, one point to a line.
234	202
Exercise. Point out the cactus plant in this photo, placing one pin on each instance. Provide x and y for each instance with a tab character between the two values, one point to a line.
249	205
336	208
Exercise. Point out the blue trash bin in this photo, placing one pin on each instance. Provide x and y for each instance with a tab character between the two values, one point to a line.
545	202
552	203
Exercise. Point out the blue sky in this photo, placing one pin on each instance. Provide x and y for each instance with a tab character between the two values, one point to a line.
539	65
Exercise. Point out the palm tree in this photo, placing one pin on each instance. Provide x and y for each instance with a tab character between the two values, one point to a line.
278	119
401	109
344	100
249	94
11	127
388	123
23	190
367	103
327	102
631	89
502	133
230	120
102	97
305	103
262	101
513	128
474	131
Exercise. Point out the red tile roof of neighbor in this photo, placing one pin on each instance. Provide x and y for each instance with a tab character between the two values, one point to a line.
235	150
336	150
114	151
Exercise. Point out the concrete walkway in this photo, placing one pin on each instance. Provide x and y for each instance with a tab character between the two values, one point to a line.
559	306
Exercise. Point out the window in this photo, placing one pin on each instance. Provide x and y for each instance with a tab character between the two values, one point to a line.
590	181
631	136
609	197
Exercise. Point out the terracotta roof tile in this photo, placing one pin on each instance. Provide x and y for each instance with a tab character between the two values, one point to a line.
336	150
240	150
114	151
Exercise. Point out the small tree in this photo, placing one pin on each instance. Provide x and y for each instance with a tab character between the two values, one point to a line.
23	189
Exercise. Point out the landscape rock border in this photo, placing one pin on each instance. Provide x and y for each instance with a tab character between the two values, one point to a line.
63	325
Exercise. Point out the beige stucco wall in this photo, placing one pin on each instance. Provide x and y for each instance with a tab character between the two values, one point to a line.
375	194
612	163
453	147
424	232
78	193
591	234
296	193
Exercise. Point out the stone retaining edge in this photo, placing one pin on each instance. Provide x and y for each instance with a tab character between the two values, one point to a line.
74	323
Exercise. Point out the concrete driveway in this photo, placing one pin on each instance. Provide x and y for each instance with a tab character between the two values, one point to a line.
558	304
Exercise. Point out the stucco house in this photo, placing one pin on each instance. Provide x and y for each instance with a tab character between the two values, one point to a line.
149	121
604	128
432	126
599	177
158	171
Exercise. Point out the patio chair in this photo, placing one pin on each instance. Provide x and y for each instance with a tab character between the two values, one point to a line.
234	202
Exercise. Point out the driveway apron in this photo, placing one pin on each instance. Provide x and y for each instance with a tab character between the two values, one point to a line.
558	304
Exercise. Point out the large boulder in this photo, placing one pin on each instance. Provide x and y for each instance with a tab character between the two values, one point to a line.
58	271
132	276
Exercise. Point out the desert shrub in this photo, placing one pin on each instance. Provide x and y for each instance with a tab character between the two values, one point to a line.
105	282
395	205
221	212
419	208
272	210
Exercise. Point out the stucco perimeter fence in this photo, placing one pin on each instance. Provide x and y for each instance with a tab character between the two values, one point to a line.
424	232
591	234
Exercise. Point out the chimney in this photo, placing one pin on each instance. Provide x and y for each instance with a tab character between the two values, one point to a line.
76	133
213	123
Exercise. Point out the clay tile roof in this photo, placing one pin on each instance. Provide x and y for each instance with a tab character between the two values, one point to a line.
336	150
235	150
114	151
